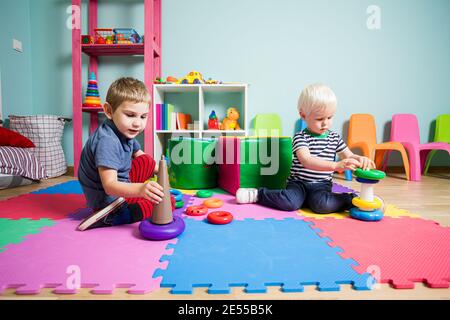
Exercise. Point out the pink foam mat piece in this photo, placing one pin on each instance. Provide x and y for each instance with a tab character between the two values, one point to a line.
252	211
65	259
39	206
243	211
399	251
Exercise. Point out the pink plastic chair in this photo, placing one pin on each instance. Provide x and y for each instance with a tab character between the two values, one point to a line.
405	129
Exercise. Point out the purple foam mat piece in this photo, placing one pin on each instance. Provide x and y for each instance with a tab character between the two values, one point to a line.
339	188
103	259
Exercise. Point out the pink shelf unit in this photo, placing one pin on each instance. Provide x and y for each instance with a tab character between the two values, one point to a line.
151	50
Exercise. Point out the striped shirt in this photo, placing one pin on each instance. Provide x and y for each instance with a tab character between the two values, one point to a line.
324	148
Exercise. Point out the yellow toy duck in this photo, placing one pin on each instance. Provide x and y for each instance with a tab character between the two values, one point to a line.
230	122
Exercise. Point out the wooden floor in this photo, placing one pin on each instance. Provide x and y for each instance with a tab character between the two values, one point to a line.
429	198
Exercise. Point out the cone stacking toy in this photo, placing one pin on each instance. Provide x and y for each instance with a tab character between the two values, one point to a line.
367	205
162	225
162	213
92	95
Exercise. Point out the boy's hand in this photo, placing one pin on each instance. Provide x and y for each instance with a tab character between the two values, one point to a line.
366	163
347	164
151	191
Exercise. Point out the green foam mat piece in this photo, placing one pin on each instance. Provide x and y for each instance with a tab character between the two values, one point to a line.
15	231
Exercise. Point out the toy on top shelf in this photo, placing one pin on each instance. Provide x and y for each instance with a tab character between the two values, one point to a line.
127	36
87	39
230	122
159	80
211	81
193	77
162	225
367	205
104	36
213	121
171	80
92	95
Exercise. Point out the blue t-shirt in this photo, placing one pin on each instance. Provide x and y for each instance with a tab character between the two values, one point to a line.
109	148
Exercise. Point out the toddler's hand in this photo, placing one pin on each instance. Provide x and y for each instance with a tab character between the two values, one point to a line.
347	164
366	163
152	191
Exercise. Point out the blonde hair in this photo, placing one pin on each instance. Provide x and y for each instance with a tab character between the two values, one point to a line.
316	98
127	89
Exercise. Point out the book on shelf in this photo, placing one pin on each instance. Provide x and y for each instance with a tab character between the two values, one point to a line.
168	119
183	119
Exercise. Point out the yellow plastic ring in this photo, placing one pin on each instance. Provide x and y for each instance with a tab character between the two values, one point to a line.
367	205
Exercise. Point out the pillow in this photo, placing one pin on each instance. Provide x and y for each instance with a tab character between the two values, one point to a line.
14	139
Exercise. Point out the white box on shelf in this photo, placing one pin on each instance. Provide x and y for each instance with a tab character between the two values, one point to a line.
199	100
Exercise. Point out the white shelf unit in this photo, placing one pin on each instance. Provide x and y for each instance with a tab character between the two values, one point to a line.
199	100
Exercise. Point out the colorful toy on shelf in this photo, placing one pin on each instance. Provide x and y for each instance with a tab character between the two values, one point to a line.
193	77
213	121
367	205
126	36
87	39
171	80
92	95
104	36
163	225
211	81
231	120
159	80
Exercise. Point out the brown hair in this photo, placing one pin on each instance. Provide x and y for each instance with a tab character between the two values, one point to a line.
127	89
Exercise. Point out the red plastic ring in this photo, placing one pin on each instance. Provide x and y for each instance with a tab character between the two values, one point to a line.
196	210
220	217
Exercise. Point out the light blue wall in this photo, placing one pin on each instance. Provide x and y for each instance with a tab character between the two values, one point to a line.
278	47
15	67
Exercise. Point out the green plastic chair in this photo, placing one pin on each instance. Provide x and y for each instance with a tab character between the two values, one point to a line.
268	124
441	134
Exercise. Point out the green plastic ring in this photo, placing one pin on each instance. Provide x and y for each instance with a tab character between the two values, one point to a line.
179	204
204	193
370	174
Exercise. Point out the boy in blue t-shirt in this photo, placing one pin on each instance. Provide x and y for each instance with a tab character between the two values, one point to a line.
113	168
315	149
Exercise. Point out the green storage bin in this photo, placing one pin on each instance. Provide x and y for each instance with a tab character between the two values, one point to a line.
192	163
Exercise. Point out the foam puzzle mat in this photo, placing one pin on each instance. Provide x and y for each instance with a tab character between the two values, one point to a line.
402	251
256	254
40	248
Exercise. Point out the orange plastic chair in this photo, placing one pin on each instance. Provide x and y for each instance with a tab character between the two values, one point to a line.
362	134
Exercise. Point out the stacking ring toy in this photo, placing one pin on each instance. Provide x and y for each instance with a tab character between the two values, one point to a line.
220	217
162	231
367	205
204	193
178	195
196	210
179	204
370	174
213	203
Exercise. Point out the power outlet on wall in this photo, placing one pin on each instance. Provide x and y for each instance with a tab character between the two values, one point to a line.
17	45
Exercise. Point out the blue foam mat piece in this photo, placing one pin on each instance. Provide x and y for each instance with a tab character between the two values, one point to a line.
256	254
70	187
